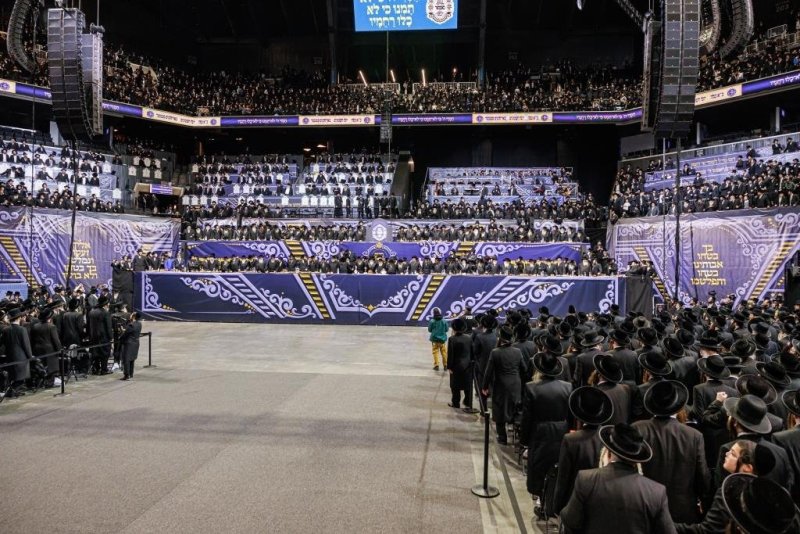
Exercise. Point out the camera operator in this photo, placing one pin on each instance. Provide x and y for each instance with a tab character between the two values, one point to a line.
129	341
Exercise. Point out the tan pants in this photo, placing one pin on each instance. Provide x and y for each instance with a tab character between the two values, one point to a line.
436	349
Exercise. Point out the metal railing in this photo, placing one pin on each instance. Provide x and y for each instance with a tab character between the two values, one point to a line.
65	358
454	86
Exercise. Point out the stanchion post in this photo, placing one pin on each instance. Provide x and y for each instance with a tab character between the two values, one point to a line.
61	358
149	349
484	490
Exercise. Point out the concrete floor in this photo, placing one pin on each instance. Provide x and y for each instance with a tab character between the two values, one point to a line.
256	428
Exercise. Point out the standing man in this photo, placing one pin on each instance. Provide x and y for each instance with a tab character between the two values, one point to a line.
130	345
616	498
460	364
17	350
679	458
503	379
100	332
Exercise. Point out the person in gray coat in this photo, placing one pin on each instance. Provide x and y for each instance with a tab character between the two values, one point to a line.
130	345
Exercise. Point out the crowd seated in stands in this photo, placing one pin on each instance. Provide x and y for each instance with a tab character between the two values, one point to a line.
491	233
265	231
572	209
754	183
565	86
19	195
592	264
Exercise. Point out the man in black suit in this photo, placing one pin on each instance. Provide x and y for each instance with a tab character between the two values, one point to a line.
100	333
17	346
715	371
606	499
609	374
619	345
130	345
789	439
679	460
544	419
584	362
581	449
460	364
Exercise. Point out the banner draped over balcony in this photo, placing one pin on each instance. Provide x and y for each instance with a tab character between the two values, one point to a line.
360	298
742	253
324	250
37	247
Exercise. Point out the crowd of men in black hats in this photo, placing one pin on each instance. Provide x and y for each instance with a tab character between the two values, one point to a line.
753	184
693	416
593	263
41	337
573	209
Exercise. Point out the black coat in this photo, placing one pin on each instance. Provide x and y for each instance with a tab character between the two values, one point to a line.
789	440
130	341
607	499
17	350
622	399
685	370
679	463
629	361
716	520
44	340
504	379
584	366
579	450
482	345
72	328
100	326
459	361
545	414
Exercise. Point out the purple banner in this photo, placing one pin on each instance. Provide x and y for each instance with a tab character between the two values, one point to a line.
743	253
261	120
36	92
360	298
598	116
122	109
424	249
774	82
433	118
99	240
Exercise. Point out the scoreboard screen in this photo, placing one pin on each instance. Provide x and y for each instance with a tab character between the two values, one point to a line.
405	15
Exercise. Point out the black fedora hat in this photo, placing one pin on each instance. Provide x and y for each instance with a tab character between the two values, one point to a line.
791	363
791	399
742	349
666	397
548	364
522	331
620	337
709	340
626	442
45	314
592	338
628	327
15	313
102	301
685	337
565	328
672	347
489	322
774	372
758	505
714	367
608	367
757	385
73	304
459	325
655	363
641	322
505	333
552	344
761	340
648	336
750	412
591	405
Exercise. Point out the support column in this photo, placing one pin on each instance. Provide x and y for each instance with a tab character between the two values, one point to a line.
775	120
482	46
332	16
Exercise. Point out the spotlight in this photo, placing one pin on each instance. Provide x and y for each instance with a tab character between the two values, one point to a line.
581	4
391	72
424	81
363	78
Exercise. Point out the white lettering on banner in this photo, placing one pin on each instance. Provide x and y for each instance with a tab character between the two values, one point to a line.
786	80
179	119
336	120
511	118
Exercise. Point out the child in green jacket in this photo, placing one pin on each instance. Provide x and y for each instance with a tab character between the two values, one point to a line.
438	329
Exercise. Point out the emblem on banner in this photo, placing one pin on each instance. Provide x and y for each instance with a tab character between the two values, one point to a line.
440	11
379	232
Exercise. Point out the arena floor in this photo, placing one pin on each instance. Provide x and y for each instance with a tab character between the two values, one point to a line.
254	428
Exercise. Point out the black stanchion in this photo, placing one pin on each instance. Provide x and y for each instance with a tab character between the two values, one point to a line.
484	491
149	348
61	360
